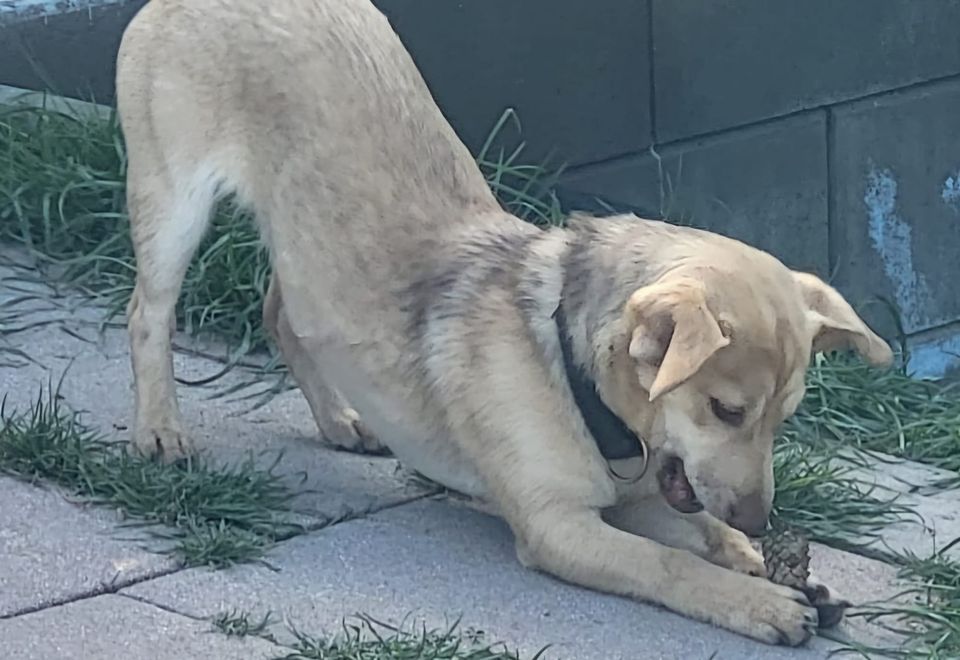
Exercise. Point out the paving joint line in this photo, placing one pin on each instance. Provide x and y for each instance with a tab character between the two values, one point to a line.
200	619
165	608
361	514
352	517
113	588
116	586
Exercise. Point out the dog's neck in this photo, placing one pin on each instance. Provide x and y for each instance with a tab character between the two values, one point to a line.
614	438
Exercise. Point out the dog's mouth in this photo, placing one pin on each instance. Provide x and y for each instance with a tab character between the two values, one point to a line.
676	487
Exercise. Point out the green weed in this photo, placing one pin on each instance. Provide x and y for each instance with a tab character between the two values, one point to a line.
204	515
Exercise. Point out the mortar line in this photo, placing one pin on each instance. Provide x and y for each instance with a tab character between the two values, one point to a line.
830	137
201	619
765	121
703	139
908	87
652	74
933	330
115	588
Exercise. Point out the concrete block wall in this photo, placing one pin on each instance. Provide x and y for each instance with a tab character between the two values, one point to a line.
67	45
826	132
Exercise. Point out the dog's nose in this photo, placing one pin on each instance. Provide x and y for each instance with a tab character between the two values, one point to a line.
749	515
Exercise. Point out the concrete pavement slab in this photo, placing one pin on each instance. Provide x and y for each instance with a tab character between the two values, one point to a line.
114	627
435	560
914	485
862	581
53	550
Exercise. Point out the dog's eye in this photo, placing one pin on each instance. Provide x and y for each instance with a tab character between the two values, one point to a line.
731	416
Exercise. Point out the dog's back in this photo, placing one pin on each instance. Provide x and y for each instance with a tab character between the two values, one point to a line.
314	113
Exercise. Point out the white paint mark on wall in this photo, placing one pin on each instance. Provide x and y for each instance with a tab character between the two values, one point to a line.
951	192
892	239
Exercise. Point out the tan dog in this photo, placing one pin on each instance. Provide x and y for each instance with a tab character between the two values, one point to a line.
470	342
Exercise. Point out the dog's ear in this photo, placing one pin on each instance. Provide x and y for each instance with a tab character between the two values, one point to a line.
672	333
835	326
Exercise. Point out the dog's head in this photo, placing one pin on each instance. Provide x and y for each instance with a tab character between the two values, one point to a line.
720	354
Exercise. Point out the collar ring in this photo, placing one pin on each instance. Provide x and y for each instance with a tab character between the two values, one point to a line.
645	453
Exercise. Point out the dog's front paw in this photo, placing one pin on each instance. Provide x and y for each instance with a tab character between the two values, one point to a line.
345	430
167	442
771	613
733	550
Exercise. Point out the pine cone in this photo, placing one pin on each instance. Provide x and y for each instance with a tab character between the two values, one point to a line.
787	557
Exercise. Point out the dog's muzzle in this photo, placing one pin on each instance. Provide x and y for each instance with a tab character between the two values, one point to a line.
750	515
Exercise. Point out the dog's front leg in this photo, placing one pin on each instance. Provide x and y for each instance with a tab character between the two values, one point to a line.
700	533
715	541
575	544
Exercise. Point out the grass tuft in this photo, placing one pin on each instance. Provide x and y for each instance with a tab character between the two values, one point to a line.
526	190
826	500
205	515
236	623
879	410
925	615
62	196
368	639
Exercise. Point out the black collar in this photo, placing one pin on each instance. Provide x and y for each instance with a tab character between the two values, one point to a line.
614	439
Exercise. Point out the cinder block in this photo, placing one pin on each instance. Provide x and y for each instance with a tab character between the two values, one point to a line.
765	186
726	63
66	47
895	210
576	72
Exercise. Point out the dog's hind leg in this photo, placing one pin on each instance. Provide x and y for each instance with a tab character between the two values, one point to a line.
169	212
339	424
